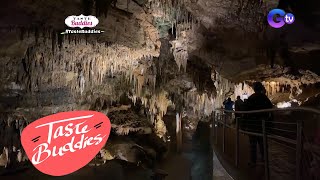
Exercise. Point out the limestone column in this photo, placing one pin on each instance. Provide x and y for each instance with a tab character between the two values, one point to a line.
178	131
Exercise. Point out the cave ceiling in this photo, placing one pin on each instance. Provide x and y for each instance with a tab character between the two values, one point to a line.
173	49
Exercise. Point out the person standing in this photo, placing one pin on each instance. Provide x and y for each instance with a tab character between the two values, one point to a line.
228	105
257	101
238	106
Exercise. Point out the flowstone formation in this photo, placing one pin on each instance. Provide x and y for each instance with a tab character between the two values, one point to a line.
282	87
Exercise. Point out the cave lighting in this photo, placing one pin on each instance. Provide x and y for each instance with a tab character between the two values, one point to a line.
243	90
272	83
244	96
283	104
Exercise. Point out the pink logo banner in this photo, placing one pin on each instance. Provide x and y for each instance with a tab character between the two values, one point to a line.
62	143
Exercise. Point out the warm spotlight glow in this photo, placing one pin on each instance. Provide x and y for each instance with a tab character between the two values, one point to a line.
283	104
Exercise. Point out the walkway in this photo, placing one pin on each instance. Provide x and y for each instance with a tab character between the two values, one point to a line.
282	158
219	173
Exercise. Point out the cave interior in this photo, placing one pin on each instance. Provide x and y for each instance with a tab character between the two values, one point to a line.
159	70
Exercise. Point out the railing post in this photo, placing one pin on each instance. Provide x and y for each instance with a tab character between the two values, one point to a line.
299	150
265	150
237	143
224	133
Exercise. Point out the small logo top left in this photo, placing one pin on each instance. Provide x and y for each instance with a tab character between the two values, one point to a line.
82	22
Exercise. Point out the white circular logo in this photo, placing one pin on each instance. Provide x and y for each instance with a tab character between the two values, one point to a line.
81	21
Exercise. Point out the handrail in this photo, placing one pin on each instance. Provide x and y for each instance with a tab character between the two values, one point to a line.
291	141
298	141
273	109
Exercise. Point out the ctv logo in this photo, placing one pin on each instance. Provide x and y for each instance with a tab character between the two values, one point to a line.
281	18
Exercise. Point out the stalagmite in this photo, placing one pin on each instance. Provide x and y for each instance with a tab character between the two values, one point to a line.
82	83
224	89
178	131
160	127
272	87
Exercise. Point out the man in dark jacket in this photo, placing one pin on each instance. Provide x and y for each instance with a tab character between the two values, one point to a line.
238	106
257	101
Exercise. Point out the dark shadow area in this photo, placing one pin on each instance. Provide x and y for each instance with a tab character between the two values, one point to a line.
200	153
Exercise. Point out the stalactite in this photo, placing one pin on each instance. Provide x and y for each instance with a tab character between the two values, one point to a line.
75	40
28	32
272	87
53	41
224	89
87	65
69	38
22	33
36	34
86	36
60	40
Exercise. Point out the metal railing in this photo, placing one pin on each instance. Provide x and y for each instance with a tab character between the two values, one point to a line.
220	118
